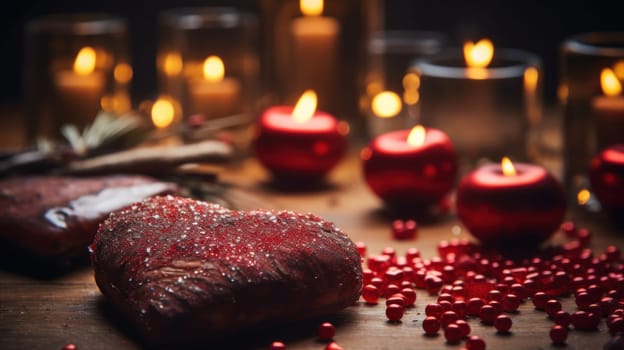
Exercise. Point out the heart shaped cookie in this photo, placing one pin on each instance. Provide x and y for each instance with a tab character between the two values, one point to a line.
184	271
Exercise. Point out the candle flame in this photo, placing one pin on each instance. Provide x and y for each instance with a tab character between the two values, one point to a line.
416	136
163	112
508	167
213	69
123	73
311	7
583	196
85	61
531	77
305	107
172	64
609	82
479	54
386	104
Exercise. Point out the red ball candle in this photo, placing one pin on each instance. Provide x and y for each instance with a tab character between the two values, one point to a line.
510	205
606	175
410	170
300	142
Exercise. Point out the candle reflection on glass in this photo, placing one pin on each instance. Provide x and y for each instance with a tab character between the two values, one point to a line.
481	97
315	40
212	94
608	109
80	89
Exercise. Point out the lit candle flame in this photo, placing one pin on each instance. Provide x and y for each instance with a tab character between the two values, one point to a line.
508	167
583	196
311	7
386	104
162	112
85	61
531	77
172	64
609	82
305	107
122	73
213	69
479	54
416	136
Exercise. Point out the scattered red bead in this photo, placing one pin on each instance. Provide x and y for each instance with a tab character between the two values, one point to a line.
370	294
69	346
452	334
394	312
562	318
333	346
502	323
431	325
326	331
475	342
558	334
277	345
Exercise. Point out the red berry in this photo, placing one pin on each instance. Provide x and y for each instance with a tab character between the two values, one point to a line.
562	318
539	299
394	312
277	345
511	302
464	327
448	317
502	323
396	299
552	306
475	342
361	248
410	296
434	310
326	331
431	325
69	347
474	305
616	325
370	294
391	289
558	334
488	314
453	334
333	346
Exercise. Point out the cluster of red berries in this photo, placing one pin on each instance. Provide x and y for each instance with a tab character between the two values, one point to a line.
470	281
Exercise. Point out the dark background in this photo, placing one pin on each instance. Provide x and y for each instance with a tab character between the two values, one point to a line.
532	25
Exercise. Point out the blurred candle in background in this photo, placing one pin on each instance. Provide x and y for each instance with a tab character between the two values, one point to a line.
75	65
80	89
586	104
609	110
212	94
315	42
481	97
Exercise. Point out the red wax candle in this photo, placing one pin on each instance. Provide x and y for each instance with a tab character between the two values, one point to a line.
606	175
410	170
510	205
300	145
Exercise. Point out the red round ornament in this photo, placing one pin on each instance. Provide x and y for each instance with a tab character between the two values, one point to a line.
510	205
410	173
606	175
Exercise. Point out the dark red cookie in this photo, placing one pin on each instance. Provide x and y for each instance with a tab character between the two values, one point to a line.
185	271
57	216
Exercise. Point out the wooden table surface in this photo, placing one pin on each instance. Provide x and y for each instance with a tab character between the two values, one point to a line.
47	312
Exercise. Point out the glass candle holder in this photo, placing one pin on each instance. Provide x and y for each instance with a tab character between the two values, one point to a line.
590	94
75	66
390	91
318	45
208	66
486	111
